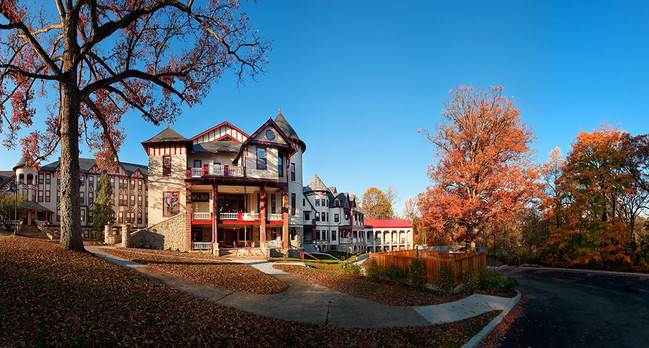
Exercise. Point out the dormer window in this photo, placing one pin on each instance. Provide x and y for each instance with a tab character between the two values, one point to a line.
261	158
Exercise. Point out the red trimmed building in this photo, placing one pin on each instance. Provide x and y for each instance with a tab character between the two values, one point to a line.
224	188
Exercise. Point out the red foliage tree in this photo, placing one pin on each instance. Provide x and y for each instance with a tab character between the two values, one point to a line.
594	181
484	174
106	57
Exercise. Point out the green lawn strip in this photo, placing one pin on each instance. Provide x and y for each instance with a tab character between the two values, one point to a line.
375	290
60	298
227	275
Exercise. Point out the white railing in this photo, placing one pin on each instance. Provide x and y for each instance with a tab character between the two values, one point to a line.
201	245
228	216
274	244
345	240
275	217
216	170
235	171
250	216
202	216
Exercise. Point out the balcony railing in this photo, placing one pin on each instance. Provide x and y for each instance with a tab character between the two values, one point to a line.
229	216
250	216
201	245
216	170
345	240
275	217
202	216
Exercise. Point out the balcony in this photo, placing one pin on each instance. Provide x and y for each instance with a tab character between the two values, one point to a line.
345	240
216	170
202	216
229	216
275	217
250	216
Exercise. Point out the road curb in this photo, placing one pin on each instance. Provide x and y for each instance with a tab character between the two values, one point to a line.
581	270
492	325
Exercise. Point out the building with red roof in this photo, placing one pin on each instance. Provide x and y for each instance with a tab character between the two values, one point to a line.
389	235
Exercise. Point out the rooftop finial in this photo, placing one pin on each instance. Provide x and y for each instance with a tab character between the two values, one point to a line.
168	125
280	109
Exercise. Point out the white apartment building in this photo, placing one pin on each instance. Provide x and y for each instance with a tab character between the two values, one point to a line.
332	219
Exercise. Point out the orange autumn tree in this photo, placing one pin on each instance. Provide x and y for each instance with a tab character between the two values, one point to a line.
100	59
593	231
484	175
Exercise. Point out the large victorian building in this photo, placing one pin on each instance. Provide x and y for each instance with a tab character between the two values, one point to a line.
40	190
222	188
231	189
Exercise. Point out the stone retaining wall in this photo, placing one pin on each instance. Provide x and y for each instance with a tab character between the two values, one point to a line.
168	234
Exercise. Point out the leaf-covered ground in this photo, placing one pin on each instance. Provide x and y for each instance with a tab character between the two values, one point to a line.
59	298
378	291
226	275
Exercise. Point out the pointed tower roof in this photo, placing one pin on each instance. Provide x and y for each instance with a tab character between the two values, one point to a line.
316	184
288	130
21	163
167	135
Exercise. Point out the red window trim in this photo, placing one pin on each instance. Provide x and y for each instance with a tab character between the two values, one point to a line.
163	165
171	193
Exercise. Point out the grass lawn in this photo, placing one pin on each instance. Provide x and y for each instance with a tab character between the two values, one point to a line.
375	290
227	275
54	297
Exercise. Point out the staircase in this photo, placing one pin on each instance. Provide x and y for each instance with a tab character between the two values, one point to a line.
32	231
241	253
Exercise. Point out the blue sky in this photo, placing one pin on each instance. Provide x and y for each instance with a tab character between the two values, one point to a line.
357	79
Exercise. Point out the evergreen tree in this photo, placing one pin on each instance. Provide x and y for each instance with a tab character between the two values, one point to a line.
104	213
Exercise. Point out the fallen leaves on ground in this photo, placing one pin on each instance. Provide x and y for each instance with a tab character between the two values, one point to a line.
64	298
226	275
385	292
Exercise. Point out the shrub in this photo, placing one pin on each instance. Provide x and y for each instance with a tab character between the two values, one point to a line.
372	270
397	275
445	279
417	273
351	269
510	284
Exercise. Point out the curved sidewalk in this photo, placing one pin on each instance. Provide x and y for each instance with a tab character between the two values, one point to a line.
308	302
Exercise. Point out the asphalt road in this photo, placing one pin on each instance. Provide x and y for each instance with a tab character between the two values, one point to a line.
566	309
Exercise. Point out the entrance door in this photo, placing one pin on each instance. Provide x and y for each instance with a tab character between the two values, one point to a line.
229	237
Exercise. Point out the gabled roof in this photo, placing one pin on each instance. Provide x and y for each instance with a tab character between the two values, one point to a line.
226	123
167	135
35	206
388	224
85	164
5	176
218	146
316	184
270	123
132	168
283	124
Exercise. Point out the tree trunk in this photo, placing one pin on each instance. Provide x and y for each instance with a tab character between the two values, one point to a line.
69	166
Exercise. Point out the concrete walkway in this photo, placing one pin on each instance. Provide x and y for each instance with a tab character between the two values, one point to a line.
304	301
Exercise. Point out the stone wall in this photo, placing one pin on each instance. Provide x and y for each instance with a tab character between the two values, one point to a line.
168	234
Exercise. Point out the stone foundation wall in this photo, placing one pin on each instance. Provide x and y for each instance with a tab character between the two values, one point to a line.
168	234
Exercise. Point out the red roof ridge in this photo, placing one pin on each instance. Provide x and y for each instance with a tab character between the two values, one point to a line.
388	223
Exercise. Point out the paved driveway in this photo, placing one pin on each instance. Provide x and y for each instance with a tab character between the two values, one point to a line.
568	309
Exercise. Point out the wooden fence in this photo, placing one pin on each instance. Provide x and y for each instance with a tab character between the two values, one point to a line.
460	263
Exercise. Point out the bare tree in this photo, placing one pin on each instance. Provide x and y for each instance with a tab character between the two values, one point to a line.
102	58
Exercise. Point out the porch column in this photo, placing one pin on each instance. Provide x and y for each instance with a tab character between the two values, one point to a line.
215	219
285	240
262	217
188	216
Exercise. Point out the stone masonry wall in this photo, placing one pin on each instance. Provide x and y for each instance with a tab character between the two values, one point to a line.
168	234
